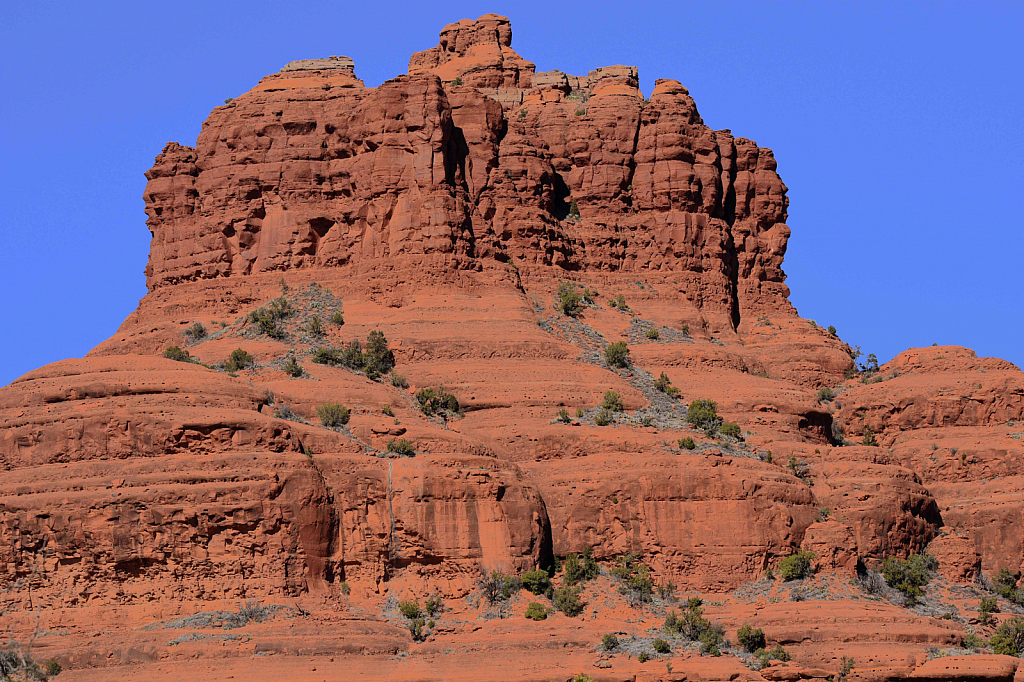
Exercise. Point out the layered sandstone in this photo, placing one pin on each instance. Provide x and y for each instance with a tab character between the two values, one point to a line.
444	208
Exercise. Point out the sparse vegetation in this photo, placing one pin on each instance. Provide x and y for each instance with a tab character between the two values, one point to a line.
579	412
869	437
195	332
315	327
796	565
653	334
402	447
986	607
386	409
617	354
732	430
574	209
563	416
410	608
1005	585
567	600
1009	638
664	384
661	646
178	354
457	80
826	395
687	443
610	642
333	415
536	611
620	302
536	581
612	401
692	625
266	319
581	567
376	360
338	318
434	605
498	587
437	402
638	586
703	414
399	381
569	299
751	638
238	360
908	576
776	653
604	417
292	367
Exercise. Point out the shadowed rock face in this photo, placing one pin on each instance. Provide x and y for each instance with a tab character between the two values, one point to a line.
445	208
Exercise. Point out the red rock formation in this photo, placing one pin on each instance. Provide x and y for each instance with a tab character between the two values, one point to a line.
445	208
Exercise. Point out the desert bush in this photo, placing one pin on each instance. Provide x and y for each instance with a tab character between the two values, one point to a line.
536	611
415	627
574	210
410	608
333	415
536	581
379	358
653	334
776	653
499	587
1005	585
581	567
610	642
434	605
988	605
196	331
579	412
661	646
401	446
612	401
457	80
826	395
972	641
1009	638
338	318
567	600
638	586
869	437
687	443
703	414
177	353
798	467
315	326
908	576
563	416
604	417
292	367
751	638
399	381
266	319
664	384
569	299
386	409
617	354
327	355
438	401
731	429
238	360
796	565
620	302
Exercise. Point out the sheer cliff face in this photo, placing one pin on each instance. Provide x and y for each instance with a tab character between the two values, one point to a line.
475	156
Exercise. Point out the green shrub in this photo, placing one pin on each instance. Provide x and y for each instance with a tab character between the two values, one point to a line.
776	653
908	576
176	353
638	586
386	409
410	609
642	657
617	354
266	318
327	355
52	667
869	437
563	416
653	334
499	587
315	326
620	302
569	299
574	210
567	600
661	646
731	429
604	418
796	566
610	642
333	415
416	629
536	611
345	589
579	412
399	381
292	367
703	414
581	567
438	402
687	443
338	318
457	80
751	638
711	643
402	447
378	357
536	581
435	605
1009	638
1005	585
238	360
664	384
988	605
826	395
612	401
692	625
196	331
972	641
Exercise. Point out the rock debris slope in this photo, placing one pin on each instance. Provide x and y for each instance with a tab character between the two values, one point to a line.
450	209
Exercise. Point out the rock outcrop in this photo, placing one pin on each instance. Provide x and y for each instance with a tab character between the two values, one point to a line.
448	209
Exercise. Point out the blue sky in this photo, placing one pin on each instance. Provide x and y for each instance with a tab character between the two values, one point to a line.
897	127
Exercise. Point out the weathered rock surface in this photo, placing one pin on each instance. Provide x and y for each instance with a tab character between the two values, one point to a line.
445	208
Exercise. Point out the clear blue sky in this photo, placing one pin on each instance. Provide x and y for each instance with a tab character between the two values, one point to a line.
896	128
